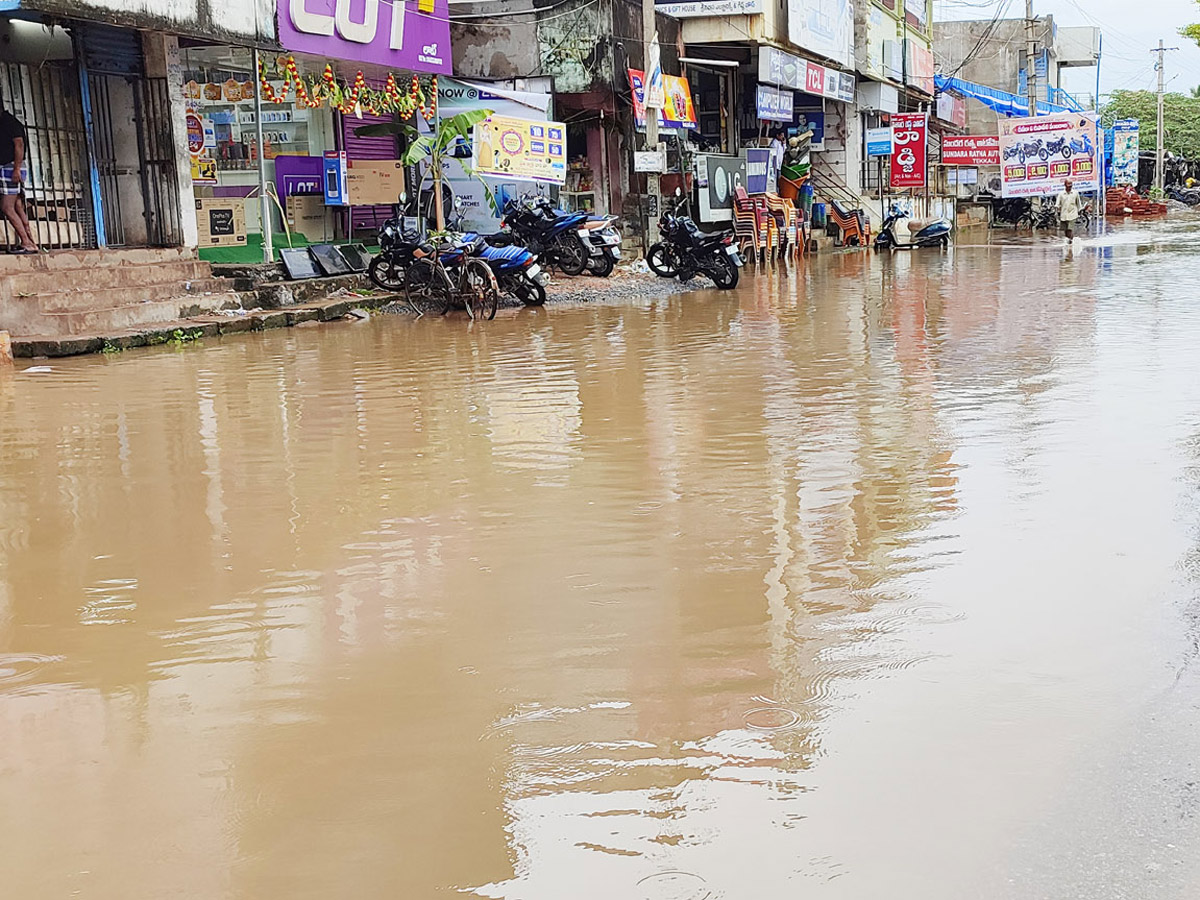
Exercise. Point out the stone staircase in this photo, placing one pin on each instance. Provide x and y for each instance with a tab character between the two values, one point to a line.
89	292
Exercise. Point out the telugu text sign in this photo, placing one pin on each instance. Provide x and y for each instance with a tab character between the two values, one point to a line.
971	150
1037	155
910	133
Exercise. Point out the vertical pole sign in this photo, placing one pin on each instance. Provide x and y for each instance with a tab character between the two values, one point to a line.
910	132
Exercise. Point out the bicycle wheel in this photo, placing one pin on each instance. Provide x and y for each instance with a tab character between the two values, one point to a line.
425	288
477	286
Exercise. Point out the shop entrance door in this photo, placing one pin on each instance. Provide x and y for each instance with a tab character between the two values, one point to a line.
132	147
46	98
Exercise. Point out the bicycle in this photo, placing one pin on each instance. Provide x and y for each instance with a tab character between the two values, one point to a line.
466	283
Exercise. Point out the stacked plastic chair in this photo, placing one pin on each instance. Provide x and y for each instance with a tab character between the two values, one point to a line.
788	223
751	217
852	224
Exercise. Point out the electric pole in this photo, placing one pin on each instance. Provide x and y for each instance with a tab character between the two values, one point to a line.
1030	62
653	185
1158	155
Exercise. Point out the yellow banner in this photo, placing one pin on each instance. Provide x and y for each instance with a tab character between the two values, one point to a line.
521	149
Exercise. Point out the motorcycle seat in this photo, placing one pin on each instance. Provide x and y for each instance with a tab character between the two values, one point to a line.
915	225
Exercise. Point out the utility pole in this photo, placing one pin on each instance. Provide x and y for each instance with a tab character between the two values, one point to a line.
1158	156
1030	53
653	185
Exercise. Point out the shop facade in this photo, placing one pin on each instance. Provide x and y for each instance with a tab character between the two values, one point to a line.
107	149
276	154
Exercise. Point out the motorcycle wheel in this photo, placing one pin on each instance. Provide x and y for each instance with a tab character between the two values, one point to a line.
661	261
572	255
1066	152
600	266
385	274
723	273
528	292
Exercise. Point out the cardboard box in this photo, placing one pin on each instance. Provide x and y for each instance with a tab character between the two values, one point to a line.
308	216
221	222
372	182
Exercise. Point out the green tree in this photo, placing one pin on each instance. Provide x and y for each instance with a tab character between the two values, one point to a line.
1181	118
433	149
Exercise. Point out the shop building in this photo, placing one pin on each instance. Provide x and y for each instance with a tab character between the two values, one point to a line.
94	85
586	51
897	65
269	129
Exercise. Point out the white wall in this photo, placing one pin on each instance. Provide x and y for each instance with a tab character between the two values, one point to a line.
249	19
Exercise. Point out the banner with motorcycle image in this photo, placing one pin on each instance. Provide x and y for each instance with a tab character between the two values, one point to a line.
1037	155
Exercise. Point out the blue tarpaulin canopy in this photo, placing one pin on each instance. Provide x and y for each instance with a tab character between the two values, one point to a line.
1001	101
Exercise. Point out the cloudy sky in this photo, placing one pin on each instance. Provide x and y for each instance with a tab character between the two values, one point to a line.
1130	28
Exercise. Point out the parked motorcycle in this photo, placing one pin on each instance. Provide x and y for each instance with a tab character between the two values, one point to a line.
685	251
900	232
397	245
559	239
517	271
1059	146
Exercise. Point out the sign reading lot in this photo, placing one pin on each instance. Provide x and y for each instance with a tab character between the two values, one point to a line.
1038	155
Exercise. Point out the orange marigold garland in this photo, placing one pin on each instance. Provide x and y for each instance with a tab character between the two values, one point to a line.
356	99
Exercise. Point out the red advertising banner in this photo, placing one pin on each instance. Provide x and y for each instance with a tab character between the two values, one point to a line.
971	150
910	133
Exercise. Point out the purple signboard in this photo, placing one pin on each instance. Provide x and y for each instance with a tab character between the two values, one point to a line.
299	175
390	33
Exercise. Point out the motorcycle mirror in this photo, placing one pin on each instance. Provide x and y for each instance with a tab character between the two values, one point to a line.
678	192
404	198
458	202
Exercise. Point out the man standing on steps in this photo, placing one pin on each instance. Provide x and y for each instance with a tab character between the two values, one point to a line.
1068	209
13	176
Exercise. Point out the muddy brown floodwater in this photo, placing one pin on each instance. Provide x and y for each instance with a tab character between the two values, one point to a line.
871	580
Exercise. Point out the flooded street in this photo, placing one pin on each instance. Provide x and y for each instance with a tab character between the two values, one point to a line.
873	580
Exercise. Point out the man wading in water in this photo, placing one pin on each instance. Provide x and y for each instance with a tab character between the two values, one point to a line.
1068	209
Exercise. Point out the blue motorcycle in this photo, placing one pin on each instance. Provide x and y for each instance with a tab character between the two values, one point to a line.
558	238
517	271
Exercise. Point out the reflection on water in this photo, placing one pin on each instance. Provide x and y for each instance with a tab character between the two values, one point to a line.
590	603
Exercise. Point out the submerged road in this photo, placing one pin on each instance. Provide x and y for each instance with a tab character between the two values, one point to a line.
875	578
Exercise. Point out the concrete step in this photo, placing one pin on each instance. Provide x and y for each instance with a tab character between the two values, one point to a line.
93	278
59	260
134	315
113	298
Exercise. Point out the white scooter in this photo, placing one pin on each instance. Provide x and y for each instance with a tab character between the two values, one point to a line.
900	232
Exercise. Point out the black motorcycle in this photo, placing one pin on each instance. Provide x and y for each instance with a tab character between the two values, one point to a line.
559	239
397	245
685	251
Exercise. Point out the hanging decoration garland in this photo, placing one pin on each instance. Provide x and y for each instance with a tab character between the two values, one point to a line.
355	100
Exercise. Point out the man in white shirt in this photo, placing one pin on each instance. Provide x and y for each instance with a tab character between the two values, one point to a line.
777	147
1068	204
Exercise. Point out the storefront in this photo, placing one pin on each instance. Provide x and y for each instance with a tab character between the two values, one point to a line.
99	114
274	136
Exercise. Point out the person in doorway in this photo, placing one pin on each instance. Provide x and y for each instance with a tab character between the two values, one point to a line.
13	175
777	146
1068	209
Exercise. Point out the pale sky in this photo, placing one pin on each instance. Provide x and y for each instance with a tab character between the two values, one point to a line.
1130	29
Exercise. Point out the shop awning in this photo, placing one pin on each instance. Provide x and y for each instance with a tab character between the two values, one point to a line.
1001	101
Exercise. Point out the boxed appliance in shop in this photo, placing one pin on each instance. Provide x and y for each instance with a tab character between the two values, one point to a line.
308	216
221	221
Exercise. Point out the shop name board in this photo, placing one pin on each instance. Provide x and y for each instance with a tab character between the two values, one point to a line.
971	150
394	34
910	137
879	141
775	105
699	8
779	67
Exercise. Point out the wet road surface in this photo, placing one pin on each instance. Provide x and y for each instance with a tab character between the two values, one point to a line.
873	580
